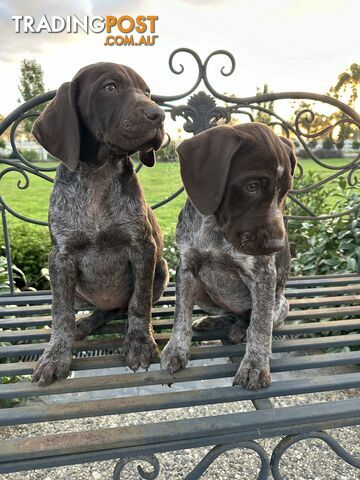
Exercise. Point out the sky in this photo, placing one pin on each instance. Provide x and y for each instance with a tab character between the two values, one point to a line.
288	44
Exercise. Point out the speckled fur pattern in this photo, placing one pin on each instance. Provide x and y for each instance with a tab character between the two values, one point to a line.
229	284
106	242
107	251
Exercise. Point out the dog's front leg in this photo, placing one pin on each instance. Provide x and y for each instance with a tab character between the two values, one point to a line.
54	364
139	344
176	353
254	370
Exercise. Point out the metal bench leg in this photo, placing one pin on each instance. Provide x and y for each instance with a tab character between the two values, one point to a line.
290	440
201	467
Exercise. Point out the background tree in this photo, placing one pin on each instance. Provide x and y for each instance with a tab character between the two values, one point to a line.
31	84
258	115
31	79
347	88
263	116
348	85
2	139
319	122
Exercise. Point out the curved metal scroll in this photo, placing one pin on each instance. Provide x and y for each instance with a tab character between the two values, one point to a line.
218	450
123	462
202	466
202	112
265	465
290	440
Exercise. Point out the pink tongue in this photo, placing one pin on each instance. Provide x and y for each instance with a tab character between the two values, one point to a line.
148	158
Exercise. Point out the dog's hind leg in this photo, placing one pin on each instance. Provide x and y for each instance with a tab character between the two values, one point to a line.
281	310
86	325
237	332
236	325
161	279
216	322
217	318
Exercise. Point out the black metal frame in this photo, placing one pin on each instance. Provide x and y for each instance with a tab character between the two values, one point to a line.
230	431
200	113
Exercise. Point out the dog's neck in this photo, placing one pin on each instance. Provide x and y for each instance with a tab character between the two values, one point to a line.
97	160
95	153
95	156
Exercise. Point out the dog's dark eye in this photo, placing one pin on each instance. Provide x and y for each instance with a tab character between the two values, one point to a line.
110	87
252	187
147	93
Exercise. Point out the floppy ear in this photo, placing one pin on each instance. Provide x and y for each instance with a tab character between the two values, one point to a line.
57	128
205	163
293	160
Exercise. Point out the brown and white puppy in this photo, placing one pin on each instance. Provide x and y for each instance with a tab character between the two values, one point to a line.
107	245
234	252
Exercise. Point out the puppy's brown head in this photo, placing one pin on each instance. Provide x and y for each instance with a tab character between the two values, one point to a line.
241	175
105	104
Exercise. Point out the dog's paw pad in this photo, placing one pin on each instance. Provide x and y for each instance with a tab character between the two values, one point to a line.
140	354
52	367
252	378
173	358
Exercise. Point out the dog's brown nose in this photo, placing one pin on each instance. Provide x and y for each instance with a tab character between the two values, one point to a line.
275	244
155	114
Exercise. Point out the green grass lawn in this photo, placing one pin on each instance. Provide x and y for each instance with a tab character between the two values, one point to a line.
158	183
309	165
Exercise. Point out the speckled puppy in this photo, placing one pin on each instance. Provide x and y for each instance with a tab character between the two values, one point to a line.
234	252
107	244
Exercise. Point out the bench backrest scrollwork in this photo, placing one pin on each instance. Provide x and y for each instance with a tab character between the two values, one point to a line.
202	107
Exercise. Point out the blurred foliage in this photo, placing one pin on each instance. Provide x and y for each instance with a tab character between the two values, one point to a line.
326	246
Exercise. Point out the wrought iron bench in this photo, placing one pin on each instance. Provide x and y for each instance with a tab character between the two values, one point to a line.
25	323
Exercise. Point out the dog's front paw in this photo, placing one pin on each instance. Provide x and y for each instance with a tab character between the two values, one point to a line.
252	376
138	352
54	364
174	357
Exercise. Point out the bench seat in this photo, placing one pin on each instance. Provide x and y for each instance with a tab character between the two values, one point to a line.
328	306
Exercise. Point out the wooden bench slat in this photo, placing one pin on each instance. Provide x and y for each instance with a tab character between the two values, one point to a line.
151	402
117	328
326	275
321	281
46	319
169	312
324	301
159	377
169	296
331	312
320	291
47	299
245	425
115	344
41	334
197	353
171	285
